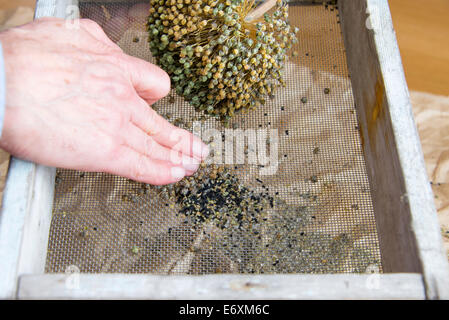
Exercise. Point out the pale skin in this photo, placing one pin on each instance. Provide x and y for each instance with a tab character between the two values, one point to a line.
75	100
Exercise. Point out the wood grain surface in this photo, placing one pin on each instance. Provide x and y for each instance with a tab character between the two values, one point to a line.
422	27
12	4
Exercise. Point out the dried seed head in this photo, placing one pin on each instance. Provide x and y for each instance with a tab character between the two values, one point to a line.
210	45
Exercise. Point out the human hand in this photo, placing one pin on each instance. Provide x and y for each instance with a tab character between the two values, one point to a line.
75	100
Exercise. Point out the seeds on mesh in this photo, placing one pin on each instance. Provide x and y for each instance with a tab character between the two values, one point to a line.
260	233
218	61
214	194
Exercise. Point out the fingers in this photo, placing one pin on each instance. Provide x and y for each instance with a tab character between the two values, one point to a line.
134	165
146	145
150	82
167	134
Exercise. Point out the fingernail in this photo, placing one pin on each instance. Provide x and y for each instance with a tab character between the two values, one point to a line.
178	172
200	150
190	164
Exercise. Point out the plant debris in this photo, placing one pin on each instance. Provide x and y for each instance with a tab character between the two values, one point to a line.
216	195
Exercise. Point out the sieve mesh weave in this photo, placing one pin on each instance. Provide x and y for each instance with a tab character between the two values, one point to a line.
323	220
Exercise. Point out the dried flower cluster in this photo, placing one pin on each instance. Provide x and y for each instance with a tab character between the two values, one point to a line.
218	61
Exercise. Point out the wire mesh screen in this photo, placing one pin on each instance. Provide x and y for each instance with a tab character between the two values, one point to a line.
318	216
